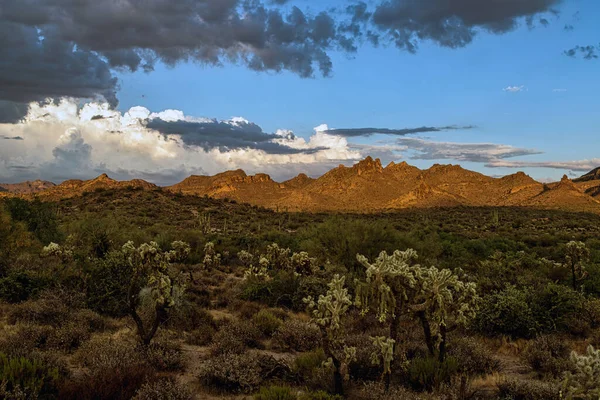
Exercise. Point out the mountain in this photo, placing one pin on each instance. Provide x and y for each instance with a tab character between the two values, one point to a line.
76	187
367	186
26	187
590	182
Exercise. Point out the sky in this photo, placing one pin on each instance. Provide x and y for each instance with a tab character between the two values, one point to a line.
162	89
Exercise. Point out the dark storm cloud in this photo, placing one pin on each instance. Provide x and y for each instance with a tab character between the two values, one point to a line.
134	33
11	137
226	136
587	52
33	68
355	132
454	23
472	152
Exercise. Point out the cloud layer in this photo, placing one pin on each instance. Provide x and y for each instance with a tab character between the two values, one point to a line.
470	152
355	132
62	141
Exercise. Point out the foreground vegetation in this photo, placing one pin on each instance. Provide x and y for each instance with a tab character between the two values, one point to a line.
153	295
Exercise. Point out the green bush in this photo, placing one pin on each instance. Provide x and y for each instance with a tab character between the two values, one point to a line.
276	393
235	337
527	389
31	377
559	308
306	364
429	373
164	353
507	312
266	322
18	286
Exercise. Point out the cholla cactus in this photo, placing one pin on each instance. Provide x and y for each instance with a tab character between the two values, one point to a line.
384	354
584	382
327	312
443	302
64	253
389	279
278	257
245	257
576	255
212	259
302	263
150	266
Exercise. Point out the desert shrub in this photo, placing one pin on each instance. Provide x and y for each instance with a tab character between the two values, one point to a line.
29	377
89	319
107	288
116	370
549	355
297	335
18	286
235	337
104	353
276	393
559	308
163	389
266	322
25	338
507	312
248	309
164	354
280	291
319	395
429	373
69	336
473	357
44	311
189	317
39	217
528	389
232	372
362	367
203	336
306	364
377	391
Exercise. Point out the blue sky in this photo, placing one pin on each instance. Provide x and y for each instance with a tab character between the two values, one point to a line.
388	87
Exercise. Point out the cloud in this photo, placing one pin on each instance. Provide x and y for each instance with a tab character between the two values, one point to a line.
132	34
236	133
355	132
10	137
579	165
587	52
455	23
469	152
514	89
66	140
559	90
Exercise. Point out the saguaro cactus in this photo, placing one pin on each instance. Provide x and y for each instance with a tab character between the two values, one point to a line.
328	312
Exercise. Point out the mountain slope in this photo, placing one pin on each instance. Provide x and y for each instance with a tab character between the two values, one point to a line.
26	187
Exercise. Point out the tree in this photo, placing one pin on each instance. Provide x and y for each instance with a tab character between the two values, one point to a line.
584	382
150	279
327	313
576	256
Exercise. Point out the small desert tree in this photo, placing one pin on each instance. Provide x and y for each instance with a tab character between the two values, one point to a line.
150	276
576	256
584	382
388	289
327	313
442	303
212	259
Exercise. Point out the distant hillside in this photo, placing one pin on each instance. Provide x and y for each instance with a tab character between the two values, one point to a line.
26	187
368	186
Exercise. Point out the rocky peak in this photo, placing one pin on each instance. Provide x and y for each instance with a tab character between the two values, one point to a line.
368	165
